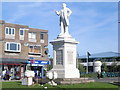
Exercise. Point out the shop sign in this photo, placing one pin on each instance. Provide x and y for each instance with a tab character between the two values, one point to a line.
36	65
38	62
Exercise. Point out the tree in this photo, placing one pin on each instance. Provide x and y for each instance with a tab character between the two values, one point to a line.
114	65
104	67
49	67
81	68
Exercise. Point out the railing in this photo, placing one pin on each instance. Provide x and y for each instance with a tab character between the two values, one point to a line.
106	74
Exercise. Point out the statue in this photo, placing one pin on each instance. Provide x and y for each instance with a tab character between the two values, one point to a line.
64	18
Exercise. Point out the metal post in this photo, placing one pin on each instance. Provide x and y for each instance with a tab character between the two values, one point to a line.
88	54
42	72
20	70
87	64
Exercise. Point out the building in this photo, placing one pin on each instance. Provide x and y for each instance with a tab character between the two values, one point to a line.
105	57
22	46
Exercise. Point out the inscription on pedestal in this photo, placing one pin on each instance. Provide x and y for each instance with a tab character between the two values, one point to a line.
70	57
59	57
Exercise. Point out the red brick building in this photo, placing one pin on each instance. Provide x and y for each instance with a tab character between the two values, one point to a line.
18	45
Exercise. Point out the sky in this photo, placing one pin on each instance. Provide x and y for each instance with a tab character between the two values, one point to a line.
93	24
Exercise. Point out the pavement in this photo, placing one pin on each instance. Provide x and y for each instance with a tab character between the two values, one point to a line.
106	79
9	80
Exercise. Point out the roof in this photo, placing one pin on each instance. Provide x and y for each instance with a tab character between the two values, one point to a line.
102	55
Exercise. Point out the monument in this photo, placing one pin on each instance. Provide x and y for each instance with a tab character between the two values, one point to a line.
64	48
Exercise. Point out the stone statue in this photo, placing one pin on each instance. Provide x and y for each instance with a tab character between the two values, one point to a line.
64	18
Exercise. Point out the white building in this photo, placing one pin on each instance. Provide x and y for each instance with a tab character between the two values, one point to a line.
106	57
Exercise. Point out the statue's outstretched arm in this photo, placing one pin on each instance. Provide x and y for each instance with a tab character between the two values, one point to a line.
57	12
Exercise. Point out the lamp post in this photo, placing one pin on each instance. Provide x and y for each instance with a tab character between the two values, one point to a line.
88	54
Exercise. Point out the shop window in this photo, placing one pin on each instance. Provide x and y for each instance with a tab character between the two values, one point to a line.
13	47
34	50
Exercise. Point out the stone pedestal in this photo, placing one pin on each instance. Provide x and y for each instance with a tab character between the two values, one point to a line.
64	56
27	81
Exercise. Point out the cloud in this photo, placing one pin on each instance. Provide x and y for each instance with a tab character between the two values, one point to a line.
23	10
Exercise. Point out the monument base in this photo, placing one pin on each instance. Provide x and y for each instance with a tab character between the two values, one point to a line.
65	81
64	56
69	73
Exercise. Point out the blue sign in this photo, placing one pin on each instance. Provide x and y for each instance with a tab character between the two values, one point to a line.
31	58
42	62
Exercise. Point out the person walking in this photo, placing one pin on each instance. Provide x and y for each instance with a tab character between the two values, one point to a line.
3	74
98	74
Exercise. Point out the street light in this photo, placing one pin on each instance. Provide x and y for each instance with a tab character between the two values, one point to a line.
88	54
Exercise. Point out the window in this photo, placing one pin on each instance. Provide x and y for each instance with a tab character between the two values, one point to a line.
6	30
42	36
35	49
13	47
10	31
32	36
21	33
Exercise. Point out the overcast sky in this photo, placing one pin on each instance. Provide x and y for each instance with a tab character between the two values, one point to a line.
94	25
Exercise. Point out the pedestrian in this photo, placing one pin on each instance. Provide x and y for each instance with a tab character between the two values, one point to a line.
103	74
8	74
3	74
98	74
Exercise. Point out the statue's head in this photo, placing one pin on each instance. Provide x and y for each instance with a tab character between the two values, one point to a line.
63	5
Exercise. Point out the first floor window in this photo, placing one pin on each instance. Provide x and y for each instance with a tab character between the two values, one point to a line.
32	35
35	49
22	32
13	47
42	36
10	31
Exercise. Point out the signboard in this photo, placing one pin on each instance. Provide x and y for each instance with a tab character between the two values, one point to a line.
42	62
36	65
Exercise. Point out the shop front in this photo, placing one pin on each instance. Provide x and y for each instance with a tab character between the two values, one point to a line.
12	69
38	67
